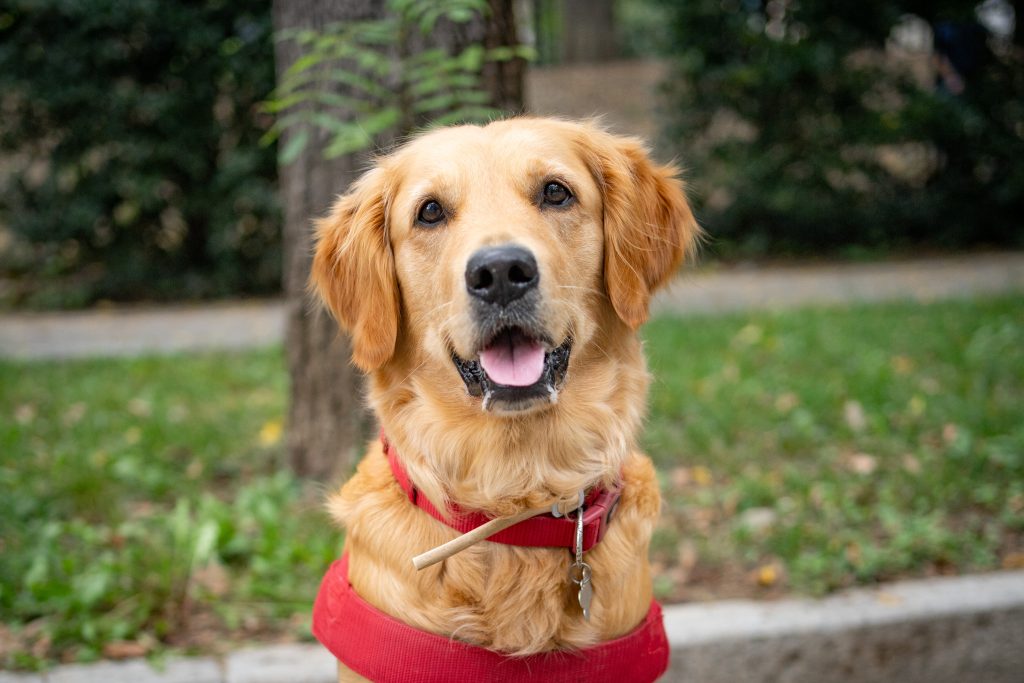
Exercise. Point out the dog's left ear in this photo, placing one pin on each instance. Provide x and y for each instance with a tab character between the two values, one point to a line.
353	270
648	225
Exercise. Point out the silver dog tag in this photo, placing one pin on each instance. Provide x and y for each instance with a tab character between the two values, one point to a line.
585	595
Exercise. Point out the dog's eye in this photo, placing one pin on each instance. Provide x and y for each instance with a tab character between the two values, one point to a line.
556	194
431	213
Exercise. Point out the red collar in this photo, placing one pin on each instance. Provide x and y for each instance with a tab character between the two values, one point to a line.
385	650
540	531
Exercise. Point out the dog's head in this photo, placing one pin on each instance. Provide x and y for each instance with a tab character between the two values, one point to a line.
486	258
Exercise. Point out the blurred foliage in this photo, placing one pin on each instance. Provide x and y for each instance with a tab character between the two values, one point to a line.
805	126
388	83
643	29
131	167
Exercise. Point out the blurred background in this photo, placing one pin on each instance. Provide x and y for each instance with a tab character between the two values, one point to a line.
156	154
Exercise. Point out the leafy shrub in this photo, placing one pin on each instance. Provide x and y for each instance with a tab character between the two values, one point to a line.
132	167
803	131
360	81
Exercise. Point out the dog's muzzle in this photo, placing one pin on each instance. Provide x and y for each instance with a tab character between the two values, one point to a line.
516	364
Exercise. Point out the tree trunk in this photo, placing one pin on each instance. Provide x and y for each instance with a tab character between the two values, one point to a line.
588	31
504	80
327	421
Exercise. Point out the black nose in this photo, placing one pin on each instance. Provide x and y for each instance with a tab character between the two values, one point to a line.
500	275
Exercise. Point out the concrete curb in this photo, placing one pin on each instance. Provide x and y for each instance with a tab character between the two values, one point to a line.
953	630
968	628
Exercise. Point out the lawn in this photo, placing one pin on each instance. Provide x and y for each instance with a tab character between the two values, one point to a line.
145	505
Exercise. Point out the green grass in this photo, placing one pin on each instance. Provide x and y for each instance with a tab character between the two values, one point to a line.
869	443
144	503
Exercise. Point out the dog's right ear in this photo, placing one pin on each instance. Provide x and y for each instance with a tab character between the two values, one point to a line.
353	270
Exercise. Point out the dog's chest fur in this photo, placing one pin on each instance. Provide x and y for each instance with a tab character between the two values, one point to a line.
507	598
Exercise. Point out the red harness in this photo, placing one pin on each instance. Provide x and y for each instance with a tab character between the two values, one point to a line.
386	650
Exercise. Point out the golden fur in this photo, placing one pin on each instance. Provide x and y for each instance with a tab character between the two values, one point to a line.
399	289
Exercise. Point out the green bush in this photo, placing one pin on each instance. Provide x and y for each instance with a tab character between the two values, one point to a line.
803	132
132	169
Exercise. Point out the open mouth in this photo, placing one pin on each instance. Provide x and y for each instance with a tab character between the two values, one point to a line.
514	369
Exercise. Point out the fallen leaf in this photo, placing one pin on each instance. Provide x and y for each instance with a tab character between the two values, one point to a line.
1016	502
911	464
701	475
853	413
74	414
758	519
25	413
680	477
730	372
888	598
1014	560
786	402
687	556
767	575
917	405
701	519
140	407
124	649
213	578
194	469
853	554
748	336
862	463
901	365
270	433
177	413
949	432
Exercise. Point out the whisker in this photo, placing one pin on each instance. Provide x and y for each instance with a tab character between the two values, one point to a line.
435	309
413	371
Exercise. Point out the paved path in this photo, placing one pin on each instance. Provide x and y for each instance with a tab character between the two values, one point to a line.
790	287
128	331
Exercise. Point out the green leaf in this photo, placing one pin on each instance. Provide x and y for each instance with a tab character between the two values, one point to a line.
294	147
451	100
206	541
467	115
428	87
353	137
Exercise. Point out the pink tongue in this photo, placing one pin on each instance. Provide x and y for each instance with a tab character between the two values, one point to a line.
518	364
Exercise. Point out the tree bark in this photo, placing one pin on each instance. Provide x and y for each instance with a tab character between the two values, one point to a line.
327	420
588	31
504	80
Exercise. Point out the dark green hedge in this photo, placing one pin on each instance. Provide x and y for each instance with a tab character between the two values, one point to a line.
803	134
129	159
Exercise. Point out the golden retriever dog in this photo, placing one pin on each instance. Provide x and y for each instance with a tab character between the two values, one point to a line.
492	279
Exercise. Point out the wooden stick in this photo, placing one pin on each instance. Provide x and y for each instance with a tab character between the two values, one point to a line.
457	545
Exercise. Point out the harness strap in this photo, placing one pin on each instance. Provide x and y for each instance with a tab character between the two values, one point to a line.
383	649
